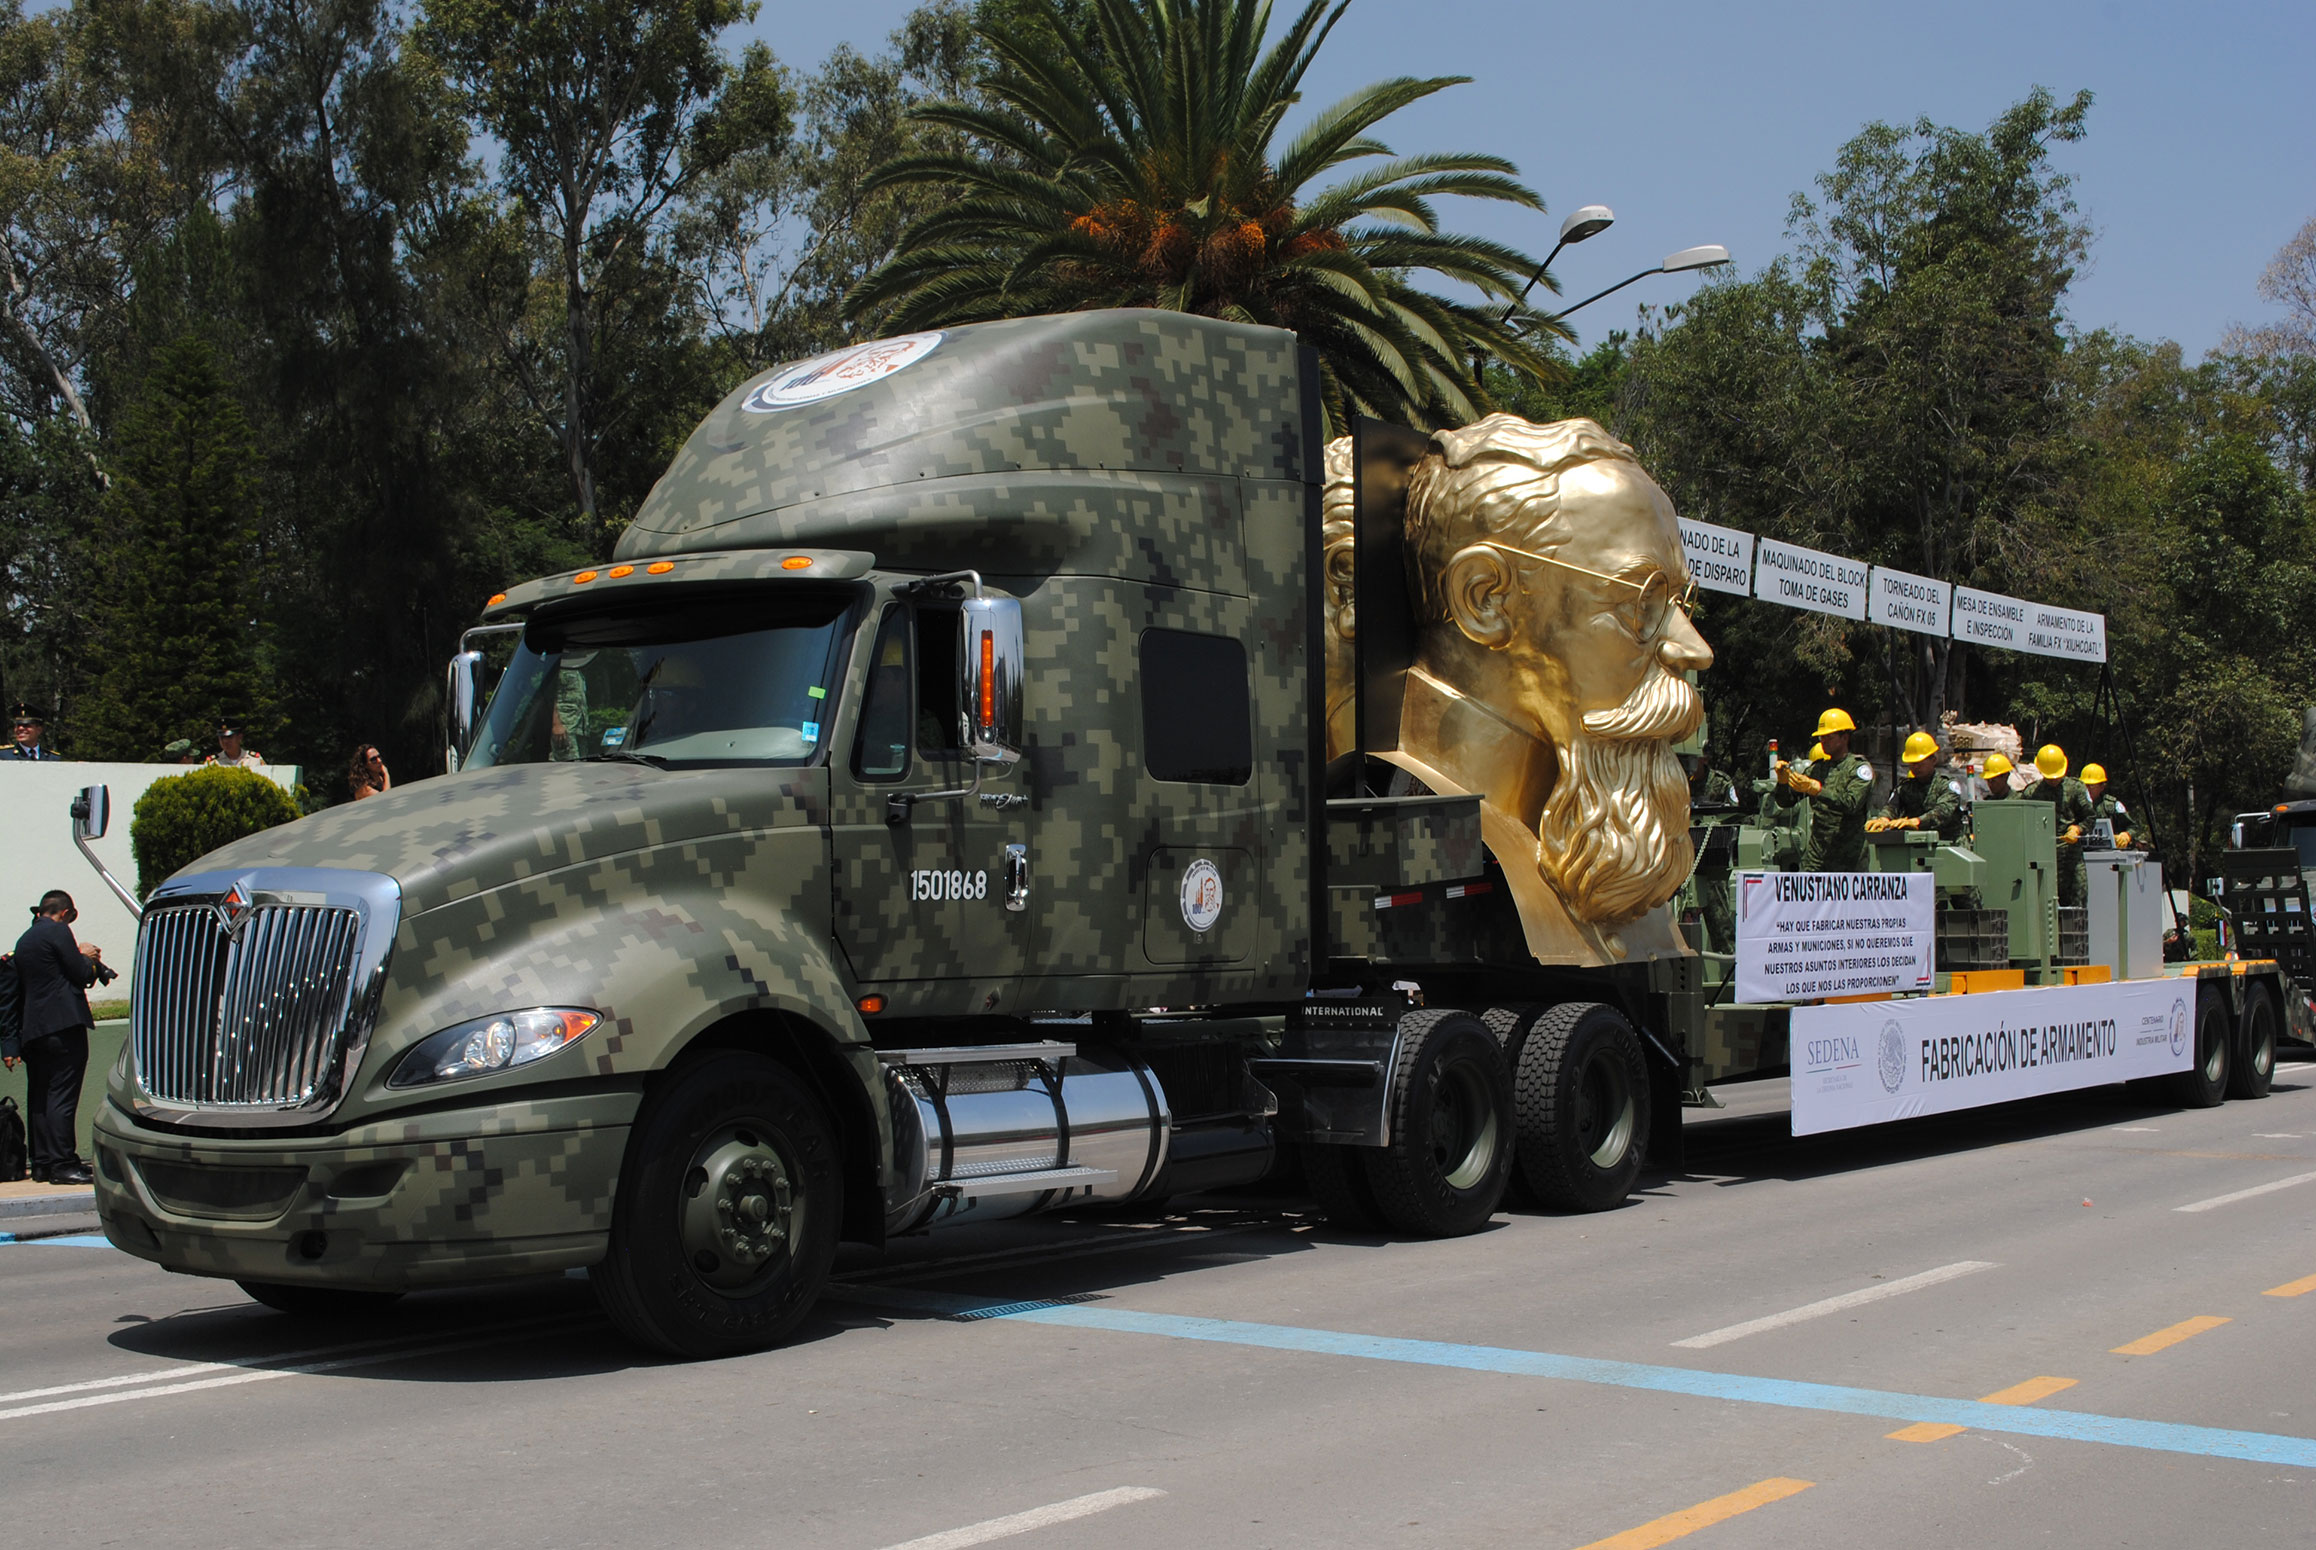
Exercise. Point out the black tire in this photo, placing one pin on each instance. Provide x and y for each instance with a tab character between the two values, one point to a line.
2204	1085
1443	1172
1339	1184
2254	1061
1583	1098
725	1222
1510	1025
319	1302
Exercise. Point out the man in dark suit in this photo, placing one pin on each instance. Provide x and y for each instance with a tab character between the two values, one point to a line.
56	971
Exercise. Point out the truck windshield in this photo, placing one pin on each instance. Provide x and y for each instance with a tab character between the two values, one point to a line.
731	679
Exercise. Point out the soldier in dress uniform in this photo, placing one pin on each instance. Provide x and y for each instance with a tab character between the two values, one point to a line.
29	733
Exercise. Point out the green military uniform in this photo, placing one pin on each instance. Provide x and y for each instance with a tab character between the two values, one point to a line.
2073	803
1712	886
1837	815
2110	807
1937	802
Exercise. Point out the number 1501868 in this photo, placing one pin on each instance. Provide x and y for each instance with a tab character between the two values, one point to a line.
942	887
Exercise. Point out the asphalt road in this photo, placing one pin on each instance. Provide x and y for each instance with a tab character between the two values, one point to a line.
1243	1374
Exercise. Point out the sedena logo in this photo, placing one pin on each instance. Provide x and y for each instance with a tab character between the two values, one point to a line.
1890	1056
839	371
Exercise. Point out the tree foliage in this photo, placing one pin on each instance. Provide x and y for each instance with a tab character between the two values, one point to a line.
182	818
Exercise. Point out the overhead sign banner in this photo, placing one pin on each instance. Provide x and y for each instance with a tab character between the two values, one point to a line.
1905	601
1805	935
1872	1062
1721	558
1808	578
2065	632
1989	619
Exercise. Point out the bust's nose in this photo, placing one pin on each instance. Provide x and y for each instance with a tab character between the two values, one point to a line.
1681	648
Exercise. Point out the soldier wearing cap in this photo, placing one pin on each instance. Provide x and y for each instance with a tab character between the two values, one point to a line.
2105	804
1922	800
2072	819
230	752
1840	788
30	729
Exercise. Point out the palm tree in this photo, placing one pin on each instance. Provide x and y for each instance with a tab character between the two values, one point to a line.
1137	168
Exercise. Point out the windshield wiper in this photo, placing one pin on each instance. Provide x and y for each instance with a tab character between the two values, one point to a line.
654	760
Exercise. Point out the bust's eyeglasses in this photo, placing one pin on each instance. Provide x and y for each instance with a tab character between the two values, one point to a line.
1652	610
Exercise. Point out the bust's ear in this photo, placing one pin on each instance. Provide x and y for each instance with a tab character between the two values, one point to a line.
1482	593
1341	581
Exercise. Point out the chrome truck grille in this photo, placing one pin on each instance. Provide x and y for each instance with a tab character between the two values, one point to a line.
251	992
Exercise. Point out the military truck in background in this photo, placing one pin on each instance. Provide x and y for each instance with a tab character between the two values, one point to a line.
2262	887
925	817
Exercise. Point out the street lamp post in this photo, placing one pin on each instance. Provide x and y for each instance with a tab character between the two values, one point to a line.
1711	256
1588	221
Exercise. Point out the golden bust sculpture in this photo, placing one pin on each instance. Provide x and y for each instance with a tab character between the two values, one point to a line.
1551	601
1336	512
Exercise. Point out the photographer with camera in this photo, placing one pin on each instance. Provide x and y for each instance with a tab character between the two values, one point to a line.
56	972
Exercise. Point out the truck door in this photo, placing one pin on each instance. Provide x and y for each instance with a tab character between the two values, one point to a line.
919	904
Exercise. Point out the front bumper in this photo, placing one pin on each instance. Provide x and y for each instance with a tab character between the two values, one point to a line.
457	1195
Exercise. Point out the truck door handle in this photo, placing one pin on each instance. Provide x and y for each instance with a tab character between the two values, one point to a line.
1017	877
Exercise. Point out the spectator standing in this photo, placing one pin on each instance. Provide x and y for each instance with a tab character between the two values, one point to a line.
56	971
28	729
230	751
366	773
181	751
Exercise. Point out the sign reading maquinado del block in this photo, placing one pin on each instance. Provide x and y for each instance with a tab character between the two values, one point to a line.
1868	1063
1805	935
1720	558
1808	578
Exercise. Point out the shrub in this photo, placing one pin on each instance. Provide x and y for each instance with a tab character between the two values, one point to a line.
184	817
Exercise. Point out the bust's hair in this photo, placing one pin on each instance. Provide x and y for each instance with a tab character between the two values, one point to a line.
1495	478
1337	508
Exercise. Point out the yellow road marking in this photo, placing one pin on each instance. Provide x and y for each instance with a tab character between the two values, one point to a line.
2292	1288
2017	1394
2163	1339
1676	1525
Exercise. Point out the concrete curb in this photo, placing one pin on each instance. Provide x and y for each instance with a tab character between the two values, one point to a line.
81	1201
33	1229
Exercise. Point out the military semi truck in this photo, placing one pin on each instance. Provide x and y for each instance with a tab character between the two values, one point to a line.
925	817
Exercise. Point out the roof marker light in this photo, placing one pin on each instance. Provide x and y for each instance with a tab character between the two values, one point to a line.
659	567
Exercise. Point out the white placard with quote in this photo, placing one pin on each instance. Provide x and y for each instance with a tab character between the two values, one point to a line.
1802	936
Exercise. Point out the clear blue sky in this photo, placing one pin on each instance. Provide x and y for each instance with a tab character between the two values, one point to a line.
1697	122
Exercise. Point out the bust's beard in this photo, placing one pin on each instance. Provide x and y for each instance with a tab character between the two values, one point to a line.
1614	838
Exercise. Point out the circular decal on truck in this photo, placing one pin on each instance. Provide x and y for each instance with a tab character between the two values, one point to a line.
1201	895
839	371
2178	1026
1890	1057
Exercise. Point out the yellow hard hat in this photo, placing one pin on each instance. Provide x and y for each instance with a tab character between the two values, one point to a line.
2050	761
1997	766
1816	752
1920	746
1835	719
2094	774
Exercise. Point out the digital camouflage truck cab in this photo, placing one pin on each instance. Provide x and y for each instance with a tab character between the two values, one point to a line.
811	872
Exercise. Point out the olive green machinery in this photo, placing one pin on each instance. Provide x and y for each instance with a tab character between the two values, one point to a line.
925	817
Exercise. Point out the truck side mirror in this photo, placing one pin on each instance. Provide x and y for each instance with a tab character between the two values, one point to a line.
92	812
990	656
460	696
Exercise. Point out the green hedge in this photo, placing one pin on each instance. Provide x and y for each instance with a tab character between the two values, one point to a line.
184	817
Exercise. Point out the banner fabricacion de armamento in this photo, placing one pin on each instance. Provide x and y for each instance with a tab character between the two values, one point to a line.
1802	936
1872	1062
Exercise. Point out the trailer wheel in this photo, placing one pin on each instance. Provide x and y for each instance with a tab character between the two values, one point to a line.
725	1222
2204	1085
1339	1184
1584	1107
2255	1054
1510	1025
1442	1174
319	1302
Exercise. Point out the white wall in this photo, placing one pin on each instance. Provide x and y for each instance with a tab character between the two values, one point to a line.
39	854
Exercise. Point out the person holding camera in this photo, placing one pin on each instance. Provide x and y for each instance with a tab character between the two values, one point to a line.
56	972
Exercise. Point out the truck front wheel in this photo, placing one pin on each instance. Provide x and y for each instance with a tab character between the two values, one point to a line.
726	1220
1583	1087
1443	1172
2204	1085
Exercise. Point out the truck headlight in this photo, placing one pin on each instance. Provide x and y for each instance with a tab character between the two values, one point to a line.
499	1042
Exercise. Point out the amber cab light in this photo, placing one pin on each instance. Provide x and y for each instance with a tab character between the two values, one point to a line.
988	679
496	599
659	567
797	562
870	1005
618	571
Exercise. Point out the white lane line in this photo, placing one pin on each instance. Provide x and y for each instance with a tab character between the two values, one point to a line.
1037	1517
262	1374
1847	1300
2142	1129
2278	1135
2217	1201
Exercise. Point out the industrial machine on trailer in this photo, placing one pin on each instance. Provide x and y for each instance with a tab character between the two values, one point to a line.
935	812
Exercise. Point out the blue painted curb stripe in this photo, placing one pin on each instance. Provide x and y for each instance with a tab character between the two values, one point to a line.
2017	1420
78	1240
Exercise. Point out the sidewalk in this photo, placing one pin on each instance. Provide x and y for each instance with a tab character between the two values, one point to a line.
29	1210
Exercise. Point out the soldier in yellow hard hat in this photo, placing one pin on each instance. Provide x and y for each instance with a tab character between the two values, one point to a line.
2105	804
1923	800
1996	774
1839	788
2073	820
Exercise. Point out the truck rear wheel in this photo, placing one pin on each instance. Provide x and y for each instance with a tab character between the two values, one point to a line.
2204	1085
2255	1053
1583	1088
1443	1172
726	1219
